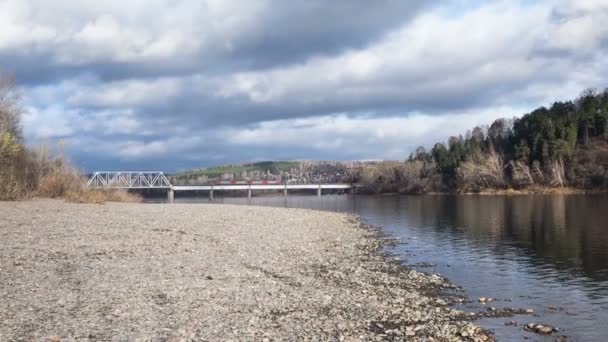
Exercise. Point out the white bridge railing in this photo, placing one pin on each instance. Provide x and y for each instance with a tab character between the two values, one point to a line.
129	180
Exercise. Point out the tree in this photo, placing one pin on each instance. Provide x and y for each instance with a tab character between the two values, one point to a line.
12	153
10	109
422	154
447	161
588	106
440	156
498	135
522	151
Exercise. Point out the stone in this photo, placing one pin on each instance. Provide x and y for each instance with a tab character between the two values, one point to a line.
278	275
441	302
543	329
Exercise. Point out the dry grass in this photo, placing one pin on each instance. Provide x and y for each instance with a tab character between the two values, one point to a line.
101	196
50	177
59	180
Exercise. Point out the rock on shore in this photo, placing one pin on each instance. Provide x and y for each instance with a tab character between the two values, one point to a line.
207	273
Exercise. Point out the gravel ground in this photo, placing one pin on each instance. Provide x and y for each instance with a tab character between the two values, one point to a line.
199	272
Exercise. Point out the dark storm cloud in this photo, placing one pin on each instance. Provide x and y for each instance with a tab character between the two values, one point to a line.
292	31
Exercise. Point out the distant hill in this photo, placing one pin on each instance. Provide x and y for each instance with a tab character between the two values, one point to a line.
263	167
279	171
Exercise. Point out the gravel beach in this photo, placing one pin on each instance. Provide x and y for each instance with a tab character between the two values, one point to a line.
199	272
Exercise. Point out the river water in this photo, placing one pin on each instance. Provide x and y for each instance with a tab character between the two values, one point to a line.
545	252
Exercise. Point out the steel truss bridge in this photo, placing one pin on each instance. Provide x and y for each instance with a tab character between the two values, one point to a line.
129	180
158	180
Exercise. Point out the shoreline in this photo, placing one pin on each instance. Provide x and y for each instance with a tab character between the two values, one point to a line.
506	192
211	271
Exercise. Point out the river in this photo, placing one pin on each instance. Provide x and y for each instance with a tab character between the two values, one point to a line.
545	252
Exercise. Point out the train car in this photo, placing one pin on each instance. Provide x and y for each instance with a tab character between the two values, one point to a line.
248	182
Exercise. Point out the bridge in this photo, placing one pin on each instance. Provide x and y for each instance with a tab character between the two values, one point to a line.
158	180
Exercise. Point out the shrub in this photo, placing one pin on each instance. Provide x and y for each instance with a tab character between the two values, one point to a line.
410	177
11	158
101	196
59	180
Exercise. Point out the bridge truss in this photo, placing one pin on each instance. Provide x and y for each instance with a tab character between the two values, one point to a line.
129	180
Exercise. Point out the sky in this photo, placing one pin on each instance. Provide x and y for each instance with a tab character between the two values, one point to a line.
178	84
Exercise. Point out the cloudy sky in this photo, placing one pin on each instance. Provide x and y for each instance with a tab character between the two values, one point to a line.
177	84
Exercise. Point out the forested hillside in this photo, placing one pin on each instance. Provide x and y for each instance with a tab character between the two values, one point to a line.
563	145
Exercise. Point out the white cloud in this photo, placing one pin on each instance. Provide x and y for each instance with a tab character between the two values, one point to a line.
53	122
256	74
57	122
369	137
438	55
132	149
125	93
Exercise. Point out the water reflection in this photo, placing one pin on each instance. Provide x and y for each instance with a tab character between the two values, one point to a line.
538	251
567	232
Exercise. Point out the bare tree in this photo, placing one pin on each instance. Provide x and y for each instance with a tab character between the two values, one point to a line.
558	174
537	172
483	172
12	153
10	106
521	173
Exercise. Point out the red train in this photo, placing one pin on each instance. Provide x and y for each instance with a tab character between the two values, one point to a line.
235	182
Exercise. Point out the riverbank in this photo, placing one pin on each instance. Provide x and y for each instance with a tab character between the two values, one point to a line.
537	190
208	272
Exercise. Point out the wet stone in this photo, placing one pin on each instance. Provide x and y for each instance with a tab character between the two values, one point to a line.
538	328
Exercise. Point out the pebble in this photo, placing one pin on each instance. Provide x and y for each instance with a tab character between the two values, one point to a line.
212	272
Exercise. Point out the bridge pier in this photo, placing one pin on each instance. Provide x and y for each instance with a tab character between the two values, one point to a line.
211	195
249	193
170	195
285	191
319	190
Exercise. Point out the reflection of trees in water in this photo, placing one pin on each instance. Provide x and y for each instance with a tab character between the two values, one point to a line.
567	232
589	215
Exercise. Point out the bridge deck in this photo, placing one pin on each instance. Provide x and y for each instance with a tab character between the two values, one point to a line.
260	187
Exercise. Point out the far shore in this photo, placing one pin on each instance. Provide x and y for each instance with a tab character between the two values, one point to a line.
539	191
523	191
198	272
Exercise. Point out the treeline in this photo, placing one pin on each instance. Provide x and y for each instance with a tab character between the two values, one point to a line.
565	145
